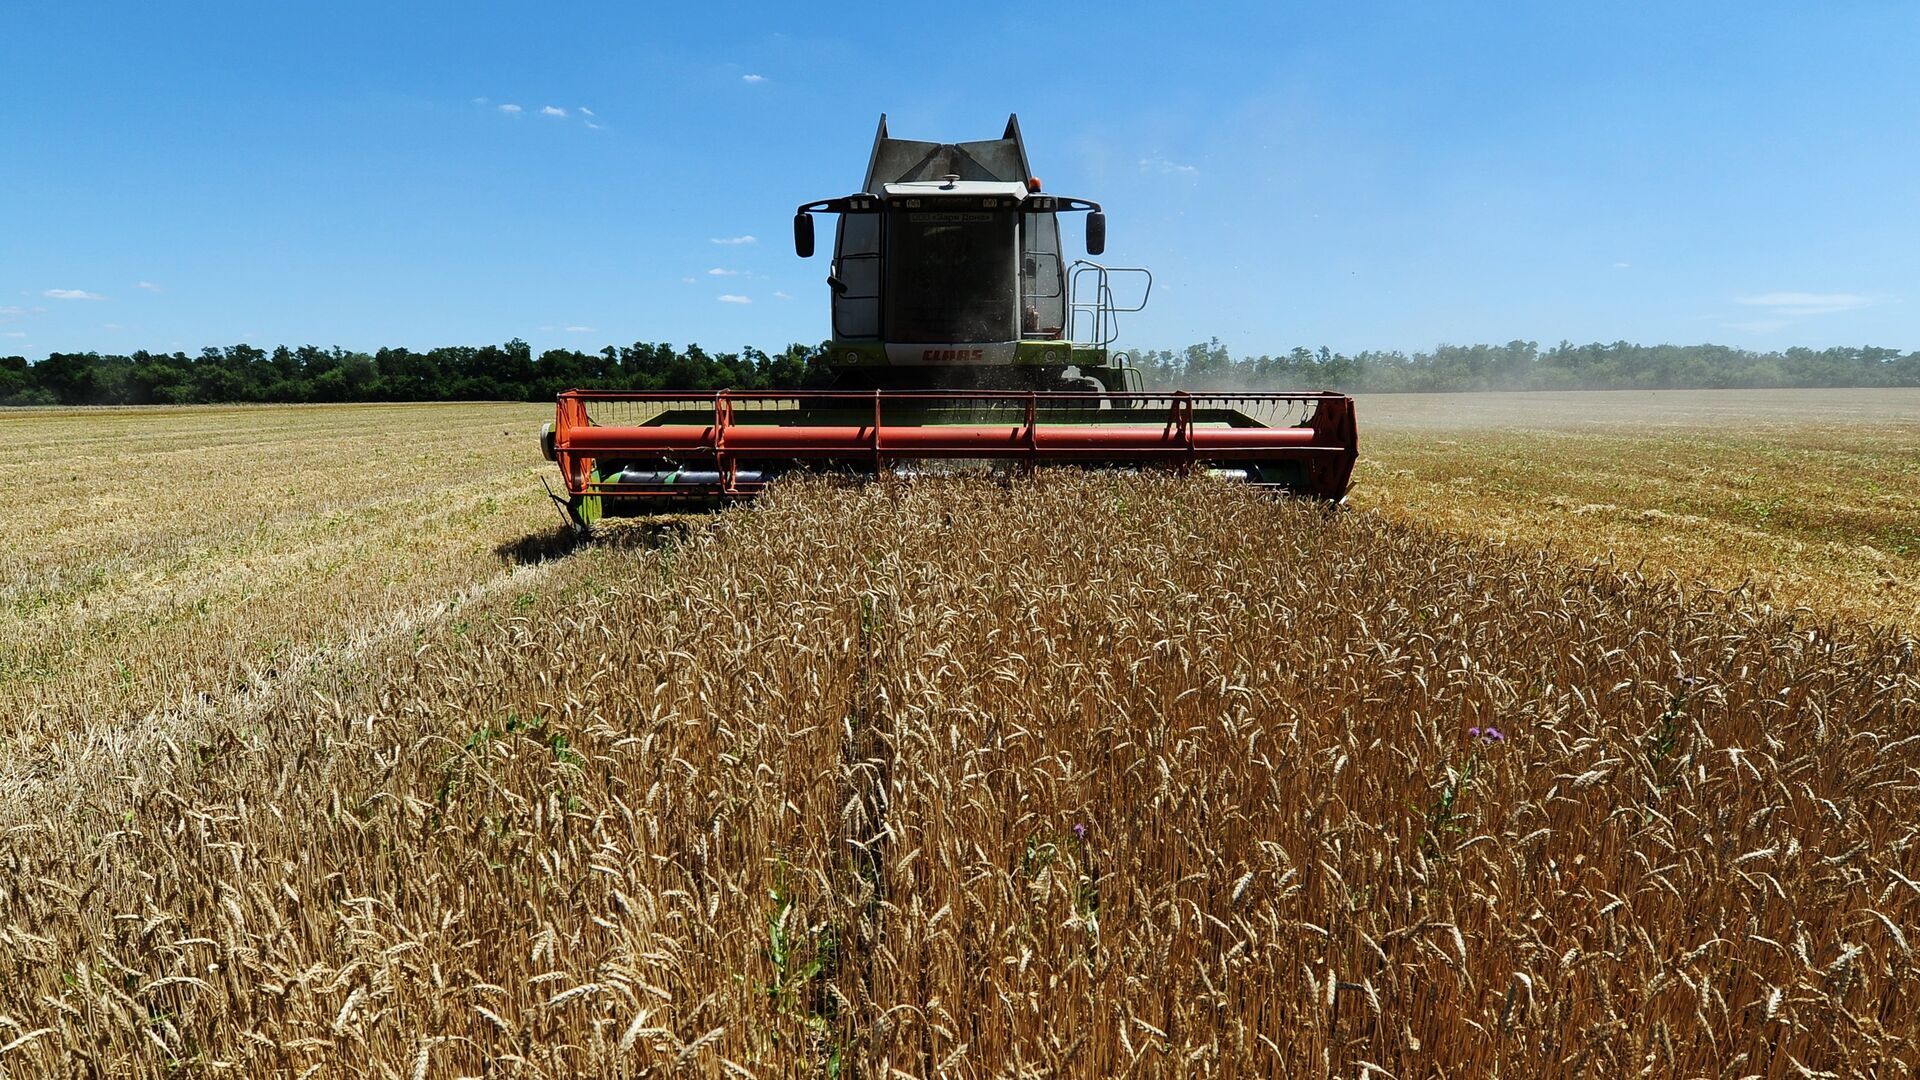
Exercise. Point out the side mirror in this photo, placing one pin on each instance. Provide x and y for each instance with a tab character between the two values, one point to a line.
1096	233
803	235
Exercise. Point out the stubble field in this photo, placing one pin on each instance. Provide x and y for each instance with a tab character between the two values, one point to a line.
325	754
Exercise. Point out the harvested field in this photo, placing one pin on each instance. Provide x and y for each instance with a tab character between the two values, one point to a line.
159	558
1809	498
873	779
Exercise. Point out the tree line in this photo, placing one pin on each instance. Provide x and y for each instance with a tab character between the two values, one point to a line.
1524	365
509	372
243	373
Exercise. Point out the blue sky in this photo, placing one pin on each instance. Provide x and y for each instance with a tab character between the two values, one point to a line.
1360	176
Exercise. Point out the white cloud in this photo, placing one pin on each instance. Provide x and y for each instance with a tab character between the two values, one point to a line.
721	271
735	240
148	286
778	295
14	333
579	329
691	280
753	78
1622	265
510	110
70	294
551	110
479	101
730	298
1802	304
1159	163
591	126
584	111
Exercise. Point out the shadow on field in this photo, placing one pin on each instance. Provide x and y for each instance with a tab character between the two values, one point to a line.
555	543
624	534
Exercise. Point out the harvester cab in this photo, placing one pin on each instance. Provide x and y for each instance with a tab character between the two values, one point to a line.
959	332
948	273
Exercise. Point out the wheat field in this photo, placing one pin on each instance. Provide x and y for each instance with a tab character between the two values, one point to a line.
1093	774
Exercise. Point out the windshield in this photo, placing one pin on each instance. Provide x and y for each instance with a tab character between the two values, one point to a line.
950	276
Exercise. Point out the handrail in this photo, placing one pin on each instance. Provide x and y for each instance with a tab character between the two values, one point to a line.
1101	310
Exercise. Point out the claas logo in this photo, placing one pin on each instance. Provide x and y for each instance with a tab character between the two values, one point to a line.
949	355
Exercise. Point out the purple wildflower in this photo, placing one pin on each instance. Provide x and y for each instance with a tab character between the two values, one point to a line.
1473	733
1080	830
1493	735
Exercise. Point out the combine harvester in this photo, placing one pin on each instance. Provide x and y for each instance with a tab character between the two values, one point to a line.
959	333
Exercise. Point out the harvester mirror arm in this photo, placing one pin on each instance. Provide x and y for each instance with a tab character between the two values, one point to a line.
803	217
1059	204
1096	218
